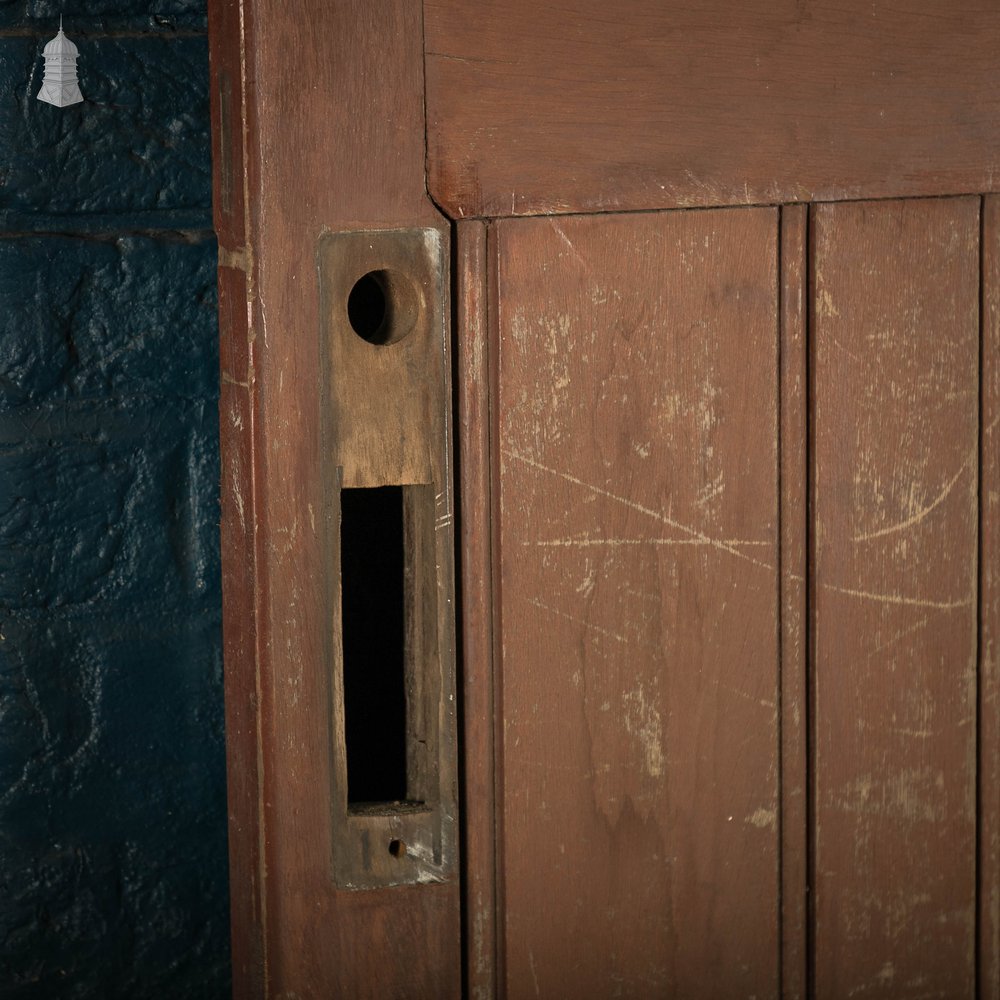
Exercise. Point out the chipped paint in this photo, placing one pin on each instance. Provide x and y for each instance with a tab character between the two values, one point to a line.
642	720
764	819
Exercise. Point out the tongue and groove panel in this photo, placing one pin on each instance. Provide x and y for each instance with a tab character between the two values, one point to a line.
743	481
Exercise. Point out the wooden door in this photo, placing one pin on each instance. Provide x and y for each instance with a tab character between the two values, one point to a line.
706	303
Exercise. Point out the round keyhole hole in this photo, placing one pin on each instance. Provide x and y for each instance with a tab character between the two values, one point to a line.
382	307
397	848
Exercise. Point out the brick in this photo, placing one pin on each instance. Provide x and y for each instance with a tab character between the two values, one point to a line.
108	421
117	523
137	147
91	15
85	319
114	829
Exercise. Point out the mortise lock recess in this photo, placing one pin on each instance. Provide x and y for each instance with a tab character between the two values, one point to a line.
388	542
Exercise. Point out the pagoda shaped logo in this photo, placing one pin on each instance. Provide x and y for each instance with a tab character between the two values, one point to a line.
59	85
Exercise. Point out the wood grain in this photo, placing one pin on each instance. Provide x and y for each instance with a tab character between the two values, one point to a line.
308	153
638	541
539	107
634	411
989	610
476	603
494	250
239	444
793	373
385	421
894	493
236	413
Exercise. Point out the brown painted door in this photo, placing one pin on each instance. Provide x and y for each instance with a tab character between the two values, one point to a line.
725	317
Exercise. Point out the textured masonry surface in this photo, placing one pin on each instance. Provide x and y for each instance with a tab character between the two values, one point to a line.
113	877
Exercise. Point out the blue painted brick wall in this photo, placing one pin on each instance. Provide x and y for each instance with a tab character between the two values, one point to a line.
113	877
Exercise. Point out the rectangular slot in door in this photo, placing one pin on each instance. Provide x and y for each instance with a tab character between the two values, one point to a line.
390	685
373	571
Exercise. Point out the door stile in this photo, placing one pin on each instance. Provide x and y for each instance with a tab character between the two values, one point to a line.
301	93
240	448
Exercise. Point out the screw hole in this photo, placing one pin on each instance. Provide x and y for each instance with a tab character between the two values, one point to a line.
382	307
397	848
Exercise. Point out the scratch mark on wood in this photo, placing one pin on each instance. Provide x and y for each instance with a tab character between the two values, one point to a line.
715	543
569	243
900	636
919	515
764	702
915	602
534	973
583	543
590	626
724	546
850	354
712	490
936	502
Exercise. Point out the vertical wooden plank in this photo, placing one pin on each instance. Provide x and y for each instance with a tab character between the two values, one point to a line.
638	545
243	786
989	608
314	156
895	415
476	606
793	440
237	422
